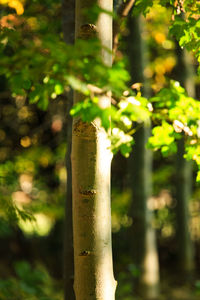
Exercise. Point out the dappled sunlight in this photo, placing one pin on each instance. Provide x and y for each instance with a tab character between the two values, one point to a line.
18	5
162	200
26	183
62	173
20	198
10	21
151	267
25	141
152	81
195	219
41	225
120	204
57	124
24	113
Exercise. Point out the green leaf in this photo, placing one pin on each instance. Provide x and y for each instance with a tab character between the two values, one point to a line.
35	95
27	84
43	102
59	89
162	137
121	141
142	6
17	82
78	85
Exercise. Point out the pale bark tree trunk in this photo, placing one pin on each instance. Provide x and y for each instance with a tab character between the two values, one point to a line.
68	11
144	250
184	168
91	161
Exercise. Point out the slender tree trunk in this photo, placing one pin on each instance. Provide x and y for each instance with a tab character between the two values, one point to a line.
68	9
91	161
183	196
144	248
68	231
185	74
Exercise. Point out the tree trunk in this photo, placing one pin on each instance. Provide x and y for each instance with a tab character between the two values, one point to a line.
183	196
91	160
185	75
68	10
144	250
68	231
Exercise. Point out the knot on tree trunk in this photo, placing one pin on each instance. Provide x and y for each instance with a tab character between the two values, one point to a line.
87	192
87	31
85	130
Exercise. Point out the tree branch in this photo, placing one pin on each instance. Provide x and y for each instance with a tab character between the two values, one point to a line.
122	13
125	7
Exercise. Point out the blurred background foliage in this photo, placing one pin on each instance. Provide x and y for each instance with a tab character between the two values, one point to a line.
33	147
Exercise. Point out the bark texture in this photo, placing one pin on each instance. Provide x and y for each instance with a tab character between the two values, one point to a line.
144	250
185	74
91	160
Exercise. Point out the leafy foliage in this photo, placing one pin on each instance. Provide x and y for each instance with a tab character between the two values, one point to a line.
30	284
38	69
38	72
79	66
180	115
142	6
188	33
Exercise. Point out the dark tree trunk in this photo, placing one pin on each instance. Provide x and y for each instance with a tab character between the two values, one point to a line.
144	250
185	74
68	10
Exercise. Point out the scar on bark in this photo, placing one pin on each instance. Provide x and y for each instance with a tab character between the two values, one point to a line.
85	130
87	31
85	253
87	192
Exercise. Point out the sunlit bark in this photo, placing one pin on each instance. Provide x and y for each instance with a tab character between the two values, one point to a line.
91	161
